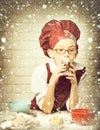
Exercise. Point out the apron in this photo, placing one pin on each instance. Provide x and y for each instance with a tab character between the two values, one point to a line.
62	90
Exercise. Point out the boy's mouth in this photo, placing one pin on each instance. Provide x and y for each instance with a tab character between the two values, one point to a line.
66	63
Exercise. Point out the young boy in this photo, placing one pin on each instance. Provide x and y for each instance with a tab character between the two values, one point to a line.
55	84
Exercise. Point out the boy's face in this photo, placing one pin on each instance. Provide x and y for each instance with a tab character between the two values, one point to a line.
63	50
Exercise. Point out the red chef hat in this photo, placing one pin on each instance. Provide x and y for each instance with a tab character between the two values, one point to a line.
55	30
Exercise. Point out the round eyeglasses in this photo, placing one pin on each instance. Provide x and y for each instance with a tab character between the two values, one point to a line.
63	51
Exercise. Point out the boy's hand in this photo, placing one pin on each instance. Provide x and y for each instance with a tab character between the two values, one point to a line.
59	71
71	75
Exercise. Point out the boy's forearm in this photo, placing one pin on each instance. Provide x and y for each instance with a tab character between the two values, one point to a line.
48	101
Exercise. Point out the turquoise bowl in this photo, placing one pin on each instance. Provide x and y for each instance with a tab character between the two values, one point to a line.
19	106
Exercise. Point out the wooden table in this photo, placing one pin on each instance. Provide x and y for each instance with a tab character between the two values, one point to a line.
37	120
68	124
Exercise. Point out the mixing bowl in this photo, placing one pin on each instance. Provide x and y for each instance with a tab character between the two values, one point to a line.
19	106
82	116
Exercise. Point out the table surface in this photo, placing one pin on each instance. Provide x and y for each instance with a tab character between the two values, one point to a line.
68	124
42	121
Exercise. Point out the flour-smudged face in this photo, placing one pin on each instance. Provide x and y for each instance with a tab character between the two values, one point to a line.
64	50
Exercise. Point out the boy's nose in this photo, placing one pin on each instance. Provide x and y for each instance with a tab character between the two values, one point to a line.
66	54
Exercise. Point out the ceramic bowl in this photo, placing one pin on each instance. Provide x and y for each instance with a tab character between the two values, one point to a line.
19	106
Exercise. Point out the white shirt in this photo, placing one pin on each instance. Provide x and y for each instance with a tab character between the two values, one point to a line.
39	82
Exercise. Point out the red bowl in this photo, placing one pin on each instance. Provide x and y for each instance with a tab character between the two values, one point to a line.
82	116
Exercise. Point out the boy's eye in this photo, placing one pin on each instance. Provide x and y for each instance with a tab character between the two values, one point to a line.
71	49
60	49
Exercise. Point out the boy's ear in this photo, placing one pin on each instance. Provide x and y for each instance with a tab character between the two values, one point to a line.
76	53
50	53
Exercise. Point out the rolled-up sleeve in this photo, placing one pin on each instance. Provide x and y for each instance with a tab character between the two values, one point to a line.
39	84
